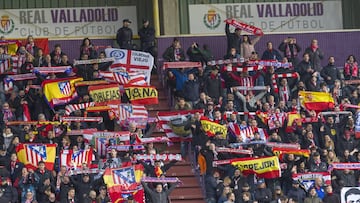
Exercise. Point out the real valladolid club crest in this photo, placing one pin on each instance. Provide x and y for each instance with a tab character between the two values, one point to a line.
7	25
212	19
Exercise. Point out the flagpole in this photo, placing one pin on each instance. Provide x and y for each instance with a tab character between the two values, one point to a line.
156	17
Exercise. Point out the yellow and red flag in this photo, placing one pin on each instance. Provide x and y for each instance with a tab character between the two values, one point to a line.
60	91
280	152
31	154
138	94
264	167
317	101
211	127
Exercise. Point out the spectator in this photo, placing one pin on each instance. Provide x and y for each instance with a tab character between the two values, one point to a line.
296	192
124	35
262	194
182	105
147	38
330	73
174	52
233	39
330	196
213	86
315	54
9	193
30	46
191	90
15	168
102	197
56	54
223	197
313	198
319	188
270	53
230	198
211	182
351	69
70	197
247	46
159	194
291	50
88	48
316	165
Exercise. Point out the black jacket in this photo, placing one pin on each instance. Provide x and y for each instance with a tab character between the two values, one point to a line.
159	197
124	38
9	195
191	90
233	40
330	71
263	195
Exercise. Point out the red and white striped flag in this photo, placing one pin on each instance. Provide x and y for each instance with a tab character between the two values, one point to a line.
101	144
247	133
123	77
70	158
127	111
17	61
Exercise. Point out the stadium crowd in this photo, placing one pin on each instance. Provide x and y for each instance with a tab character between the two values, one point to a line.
35	122
225	91
212	88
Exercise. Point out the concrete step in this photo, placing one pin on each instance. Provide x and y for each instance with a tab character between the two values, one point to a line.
187	201
189	182
193	193
181	171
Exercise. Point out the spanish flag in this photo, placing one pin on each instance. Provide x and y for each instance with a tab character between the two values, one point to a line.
211	128
60	91
141	95
11	46
280	152
31	154
291	118
264	167
317	101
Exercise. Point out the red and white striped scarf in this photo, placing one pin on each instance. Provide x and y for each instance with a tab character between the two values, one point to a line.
281	75
246	82
74	107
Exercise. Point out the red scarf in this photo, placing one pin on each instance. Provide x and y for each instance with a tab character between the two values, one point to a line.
313	47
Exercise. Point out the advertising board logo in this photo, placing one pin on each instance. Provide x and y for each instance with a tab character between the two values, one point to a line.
117	54
212	19
7	25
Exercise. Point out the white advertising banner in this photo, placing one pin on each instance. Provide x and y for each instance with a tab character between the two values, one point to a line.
66	22
270	17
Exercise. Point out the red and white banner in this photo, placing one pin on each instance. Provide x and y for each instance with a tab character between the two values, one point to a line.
93	61
233	151
308	179
242	69
74	107
147	140
75	159
81	119
182	64
342	166
163	157
56	69
246	27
